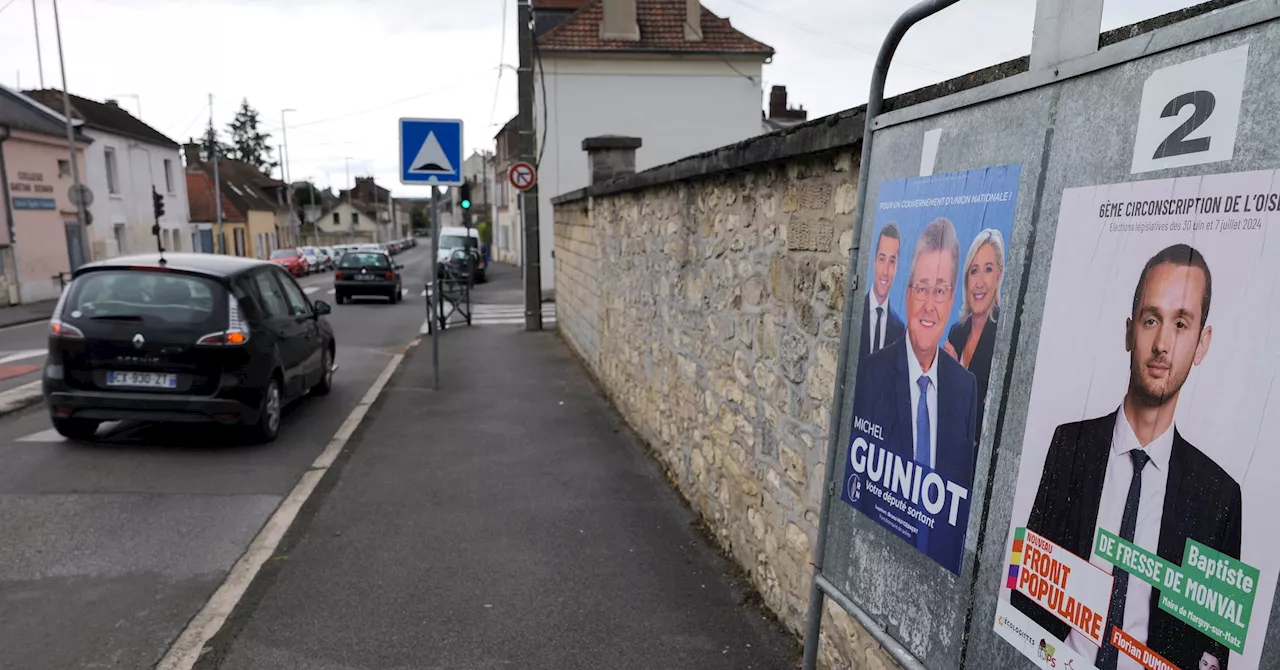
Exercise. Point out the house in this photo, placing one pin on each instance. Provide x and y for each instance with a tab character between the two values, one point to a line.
126	160
780	115
508	230
669	72
40	235
255	216
362	213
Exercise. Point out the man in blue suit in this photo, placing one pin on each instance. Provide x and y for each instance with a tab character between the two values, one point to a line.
924	401
880	325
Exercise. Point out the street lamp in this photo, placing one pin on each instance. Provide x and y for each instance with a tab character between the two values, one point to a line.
288	184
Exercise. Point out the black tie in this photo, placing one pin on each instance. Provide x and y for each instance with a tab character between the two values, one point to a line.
1107	655
879	313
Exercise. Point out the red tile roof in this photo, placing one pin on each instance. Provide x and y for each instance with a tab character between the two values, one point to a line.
661	31
200	198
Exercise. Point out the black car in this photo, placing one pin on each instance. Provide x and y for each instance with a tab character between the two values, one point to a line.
367	273
186	338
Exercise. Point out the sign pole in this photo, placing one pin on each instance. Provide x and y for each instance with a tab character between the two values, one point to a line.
433	295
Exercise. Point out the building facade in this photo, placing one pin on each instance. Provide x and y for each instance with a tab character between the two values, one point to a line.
669	72
125	161
255	215
41	238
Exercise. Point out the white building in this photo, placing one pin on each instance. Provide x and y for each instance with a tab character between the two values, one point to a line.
669	72
126	159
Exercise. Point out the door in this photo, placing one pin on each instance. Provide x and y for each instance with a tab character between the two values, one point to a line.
289	334
206	241
75	244
301	311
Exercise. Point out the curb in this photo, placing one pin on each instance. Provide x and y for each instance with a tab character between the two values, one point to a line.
21	397
25	321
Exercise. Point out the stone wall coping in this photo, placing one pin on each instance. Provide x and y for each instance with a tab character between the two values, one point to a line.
610	142
844	129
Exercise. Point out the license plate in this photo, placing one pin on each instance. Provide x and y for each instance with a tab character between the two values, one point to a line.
365	277
142	380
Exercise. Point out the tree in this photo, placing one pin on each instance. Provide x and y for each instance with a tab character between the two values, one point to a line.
207	143
418	218
248	144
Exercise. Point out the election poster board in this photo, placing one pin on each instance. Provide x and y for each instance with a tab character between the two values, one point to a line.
929	321
1143	527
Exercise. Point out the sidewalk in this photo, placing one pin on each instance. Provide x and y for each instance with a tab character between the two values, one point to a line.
26	313
506	521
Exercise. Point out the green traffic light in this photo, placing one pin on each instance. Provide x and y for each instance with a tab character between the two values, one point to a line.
466	204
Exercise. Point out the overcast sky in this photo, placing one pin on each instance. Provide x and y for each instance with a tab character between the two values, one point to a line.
351	68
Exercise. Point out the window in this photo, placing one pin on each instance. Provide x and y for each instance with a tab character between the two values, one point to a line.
336	220
273	300
355	219
258	250
156	297
64	168
362	259
298	305
284	253
222	243
168	175
176	239
238	233
113	178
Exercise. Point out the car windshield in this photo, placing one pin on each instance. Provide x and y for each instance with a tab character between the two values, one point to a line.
309	252
164	297
365	259
456	242
284	253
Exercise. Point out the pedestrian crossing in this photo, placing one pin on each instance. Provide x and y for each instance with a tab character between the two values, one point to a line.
502	315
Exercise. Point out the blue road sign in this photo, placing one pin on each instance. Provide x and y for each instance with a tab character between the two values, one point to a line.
431	151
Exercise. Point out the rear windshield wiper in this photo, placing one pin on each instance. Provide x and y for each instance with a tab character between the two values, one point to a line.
117	317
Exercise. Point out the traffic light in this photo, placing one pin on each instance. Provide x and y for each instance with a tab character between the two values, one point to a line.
464	195
157	203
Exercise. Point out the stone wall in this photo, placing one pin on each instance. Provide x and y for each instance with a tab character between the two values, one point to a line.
710	310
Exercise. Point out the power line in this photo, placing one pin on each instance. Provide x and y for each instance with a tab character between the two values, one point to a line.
6	5
393	103
861	48
502	54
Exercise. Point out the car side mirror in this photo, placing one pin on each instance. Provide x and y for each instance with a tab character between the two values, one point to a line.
399	267
322	308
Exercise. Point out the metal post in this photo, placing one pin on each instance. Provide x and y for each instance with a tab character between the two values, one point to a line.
875	100
284	169
221	242
35	17
433	298
528	152
8	212
71	134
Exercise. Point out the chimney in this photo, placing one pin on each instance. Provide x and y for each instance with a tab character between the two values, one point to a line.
619	21
778	102
692	20
611	156
191	151
111	103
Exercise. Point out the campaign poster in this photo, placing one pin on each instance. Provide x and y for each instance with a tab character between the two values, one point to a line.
1143	530
929	321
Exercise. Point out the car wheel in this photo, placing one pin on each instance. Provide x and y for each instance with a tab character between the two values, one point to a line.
339	298
76	429
326	374
269	411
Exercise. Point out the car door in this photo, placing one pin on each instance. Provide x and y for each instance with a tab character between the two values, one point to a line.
311	345
287	332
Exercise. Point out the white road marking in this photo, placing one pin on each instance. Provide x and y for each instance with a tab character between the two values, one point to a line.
51	434
310	289
21	355
187	648
331	291
497	315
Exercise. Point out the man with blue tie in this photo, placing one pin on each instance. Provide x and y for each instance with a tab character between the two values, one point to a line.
881	327
923	399
1132	473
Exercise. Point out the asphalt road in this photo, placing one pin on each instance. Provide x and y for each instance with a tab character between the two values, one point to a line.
110	548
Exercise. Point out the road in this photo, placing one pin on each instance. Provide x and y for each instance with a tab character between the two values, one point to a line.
110	548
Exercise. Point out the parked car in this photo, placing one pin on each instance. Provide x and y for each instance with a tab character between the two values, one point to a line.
292	260
191	338
331	257
363	273
455	238
315	260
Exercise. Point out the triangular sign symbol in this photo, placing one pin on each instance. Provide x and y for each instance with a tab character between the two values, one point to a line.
431	157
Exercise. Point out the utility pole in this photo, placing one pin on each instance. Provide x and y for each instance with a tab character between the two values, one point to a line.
349	205
35	16
221	244
529	152
71	133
